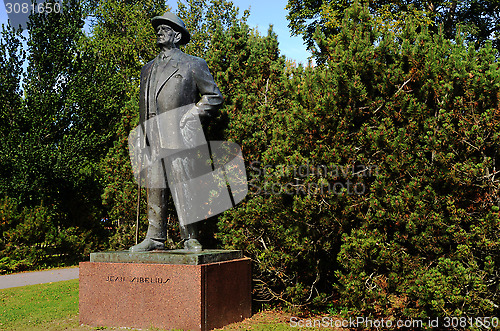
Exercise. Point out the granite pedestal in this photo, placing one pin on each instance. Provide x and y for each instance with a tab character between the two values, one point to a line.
165	289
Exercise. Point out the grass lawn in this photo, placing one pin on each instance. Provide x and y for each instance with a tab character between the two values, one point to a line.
54	306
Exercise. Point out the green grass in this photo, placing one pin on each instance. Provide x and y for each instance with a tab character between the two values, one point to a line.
36	307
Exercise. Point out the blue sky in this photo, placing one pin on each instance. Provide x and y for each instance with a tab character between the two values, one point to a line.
262	14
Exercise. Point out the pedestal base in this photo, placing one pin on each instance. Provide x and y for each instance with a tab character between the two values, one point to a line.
167	296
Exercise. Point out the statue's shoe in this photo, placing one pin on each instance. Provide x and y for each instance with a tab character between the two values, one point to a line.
147	245
193	246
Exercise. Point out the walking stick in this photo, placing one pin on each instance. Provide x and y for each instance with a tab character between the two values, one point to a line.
138	208
138	205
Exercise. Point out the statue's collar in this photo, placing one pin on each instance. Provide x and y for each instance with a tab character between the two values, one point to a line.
165	55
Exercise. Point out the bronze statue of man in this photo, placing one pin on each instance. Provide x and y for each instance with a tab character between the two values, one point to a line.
179	89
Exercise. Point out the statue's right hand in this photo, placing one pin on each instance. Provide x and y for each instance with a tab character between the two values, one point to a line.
188	116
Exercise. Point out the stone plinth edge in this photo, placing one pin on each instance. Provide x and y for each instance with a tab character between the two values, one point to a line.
178	256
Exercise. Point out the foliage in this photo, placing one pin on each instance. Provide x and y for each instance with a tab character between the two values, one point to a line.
377	183
478	19
203	18
11	60
31	241
52	146
425	109
12	57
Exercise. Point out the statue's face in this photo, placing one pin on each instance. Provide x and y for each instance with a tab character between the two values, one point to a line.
166	36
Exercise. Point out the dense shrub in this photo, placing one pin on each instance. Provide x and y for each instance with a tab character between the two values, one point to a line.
375	182
37	237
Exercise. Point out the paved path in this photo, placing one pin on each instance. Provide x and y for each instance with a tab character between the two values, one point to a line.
38	277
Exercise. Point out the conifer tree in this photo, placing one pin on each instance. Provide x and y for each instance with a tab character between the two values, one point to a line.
478	19
376	178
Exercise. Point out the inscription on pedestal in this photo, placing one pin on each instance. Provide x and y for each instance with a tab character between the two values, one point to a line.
141	280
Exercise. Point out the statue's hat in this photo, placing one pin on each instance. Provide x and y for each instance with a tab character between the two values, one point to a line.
175	22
